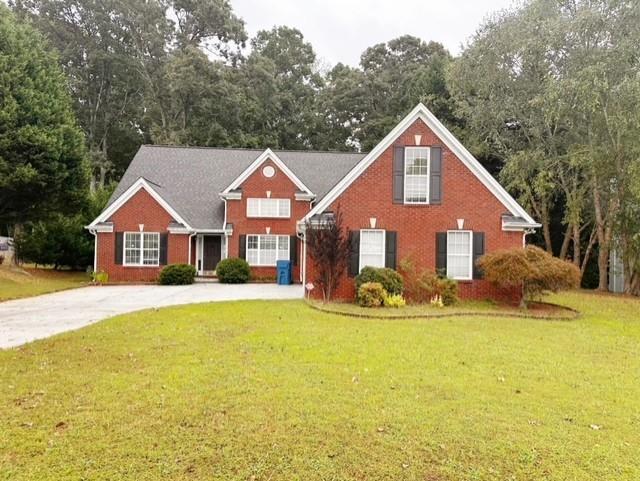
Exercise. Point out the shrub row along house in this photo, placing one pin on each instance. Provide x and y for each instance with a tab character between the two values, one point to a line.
419	193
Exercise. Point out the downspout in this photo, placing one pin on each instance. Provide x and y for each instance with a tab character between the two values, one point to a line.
95	249
190	239
300	234
304	261
224	229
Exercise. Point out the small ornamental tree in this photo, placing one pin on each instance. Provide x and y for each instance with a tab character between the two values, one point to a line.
328	247
532	268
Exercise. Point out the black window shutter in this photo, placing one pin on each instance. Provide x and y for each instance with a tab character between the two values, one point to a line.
398	175
354	255
242	252
119	247
391	248
478	251
435	179
293	250
441	253
164	247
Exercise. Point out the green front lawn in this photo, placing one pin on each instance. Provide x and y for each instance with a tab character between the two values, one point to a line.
279	391
16	283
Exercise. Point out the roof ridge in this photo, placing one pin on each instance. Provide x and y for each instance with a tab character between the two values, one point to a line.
251	149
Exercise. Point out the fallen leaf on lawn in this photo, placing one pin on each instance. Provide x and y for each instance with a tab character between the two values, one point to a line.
380	429
405	465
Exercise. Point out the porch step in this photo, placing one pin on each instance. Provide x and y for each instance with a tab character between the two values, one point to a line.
206	280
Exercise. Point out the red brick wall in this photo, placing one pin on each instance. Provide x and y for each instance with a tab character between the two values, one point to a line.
463	196
257	185
140	209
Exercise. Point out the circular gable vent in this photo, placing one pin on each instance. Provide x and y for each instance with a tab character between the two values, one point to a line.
268	171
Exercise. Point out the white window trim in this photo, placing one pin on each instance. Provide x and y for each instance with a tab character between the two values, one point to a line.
260	202
470	255
384	246
259	236
141	249
404	176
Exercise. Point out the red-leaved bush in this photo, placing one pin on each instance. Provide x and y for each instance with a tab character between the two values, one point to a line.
537	271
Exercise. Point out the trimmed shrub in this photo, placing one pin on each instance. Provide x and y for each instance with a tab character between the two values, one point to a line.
390	279
371	294
233	271
421	286
394	300
177	275
531	268
100	277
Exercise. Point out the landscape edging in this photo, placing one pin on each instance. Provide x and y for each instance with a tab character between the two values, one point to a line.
575	314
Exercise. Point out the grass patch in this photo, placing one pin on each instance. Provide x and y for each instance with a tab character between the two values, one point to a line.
16	283
277	390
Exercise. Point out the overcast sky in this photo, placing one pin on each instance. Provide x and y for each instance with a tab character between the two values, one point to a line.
340	30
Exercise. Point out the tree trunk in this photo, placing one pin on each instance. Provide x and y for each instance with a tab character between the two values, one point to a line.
576	245
603	244
546	232
565	242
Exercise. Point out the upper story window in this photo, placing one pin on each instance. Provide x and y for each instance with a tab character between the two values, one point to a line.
459	254
279	208
141	248
416	175
372	245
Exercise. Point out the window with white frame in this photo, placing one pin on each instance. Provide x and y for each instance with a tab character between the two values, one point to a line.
372	244
269	207
141	248
416	175
265	250
459	254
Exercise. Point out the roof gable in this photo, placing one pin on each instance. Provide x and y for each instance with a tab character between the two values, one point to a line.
261	159
421	112
122	199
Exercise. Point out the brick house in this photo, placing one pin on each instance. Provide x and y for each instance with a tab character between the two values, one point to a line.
418	193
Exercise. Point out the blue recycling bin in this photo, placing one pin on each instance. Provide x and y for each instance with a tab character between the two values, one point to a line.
284	272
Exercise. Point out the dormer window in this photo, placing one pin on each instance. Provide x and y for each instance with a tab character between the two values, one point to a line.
416	175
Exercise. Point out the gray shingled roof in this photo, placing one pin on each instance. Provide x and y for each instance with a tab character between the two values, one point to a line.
190	179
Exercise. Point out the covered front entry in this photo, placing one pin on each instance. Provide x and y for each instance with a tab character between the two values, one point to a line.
209	251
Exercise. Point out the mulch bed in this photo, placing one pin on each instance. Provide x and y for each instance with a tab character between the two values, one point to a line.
535	310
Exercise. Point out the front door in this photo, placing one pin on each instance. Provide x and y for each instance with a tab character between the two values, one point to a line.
211	246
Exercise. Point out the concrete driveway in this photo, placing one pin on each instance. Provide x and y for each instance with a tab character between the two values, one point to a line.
25	320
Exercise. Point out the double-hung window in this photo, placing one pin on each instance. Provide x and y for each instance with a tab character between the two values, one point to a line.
372	245
416	175
273	208
459	254
265	250
141	248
